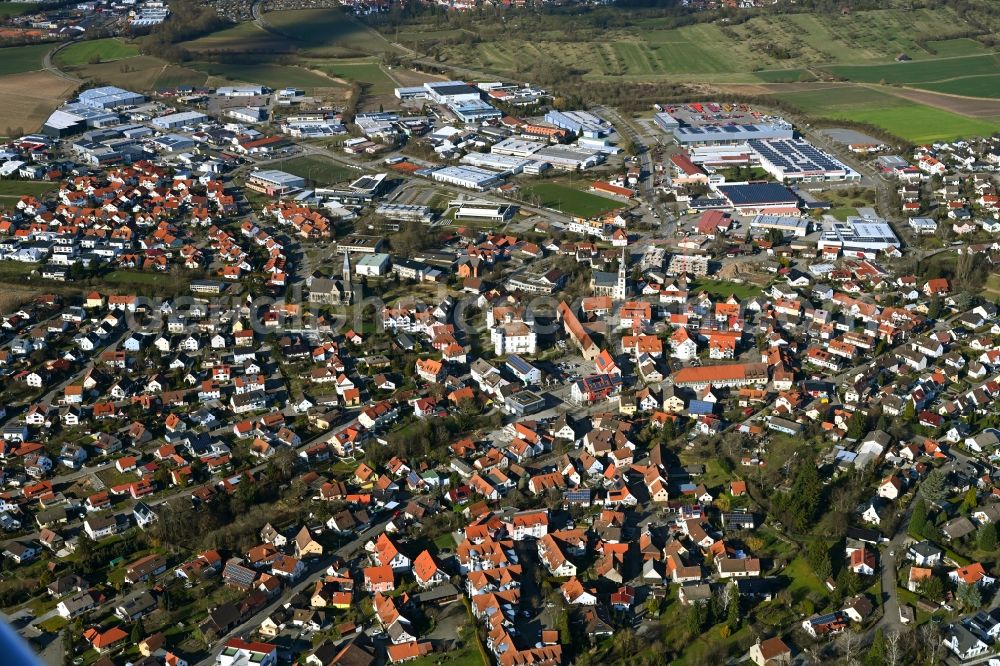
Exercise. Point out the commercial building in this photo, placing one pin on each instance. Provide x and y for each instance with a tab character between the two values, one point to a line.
524	403
797	160
517	147
176	120
703	135
484	211
469	177
74	118
474	111
758	197
506	163
788	225
923	225
274	183
581	123
406	213
858	235
666	122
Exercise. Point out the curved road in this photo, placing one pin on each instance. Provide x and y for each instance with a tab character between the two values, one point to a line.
49	65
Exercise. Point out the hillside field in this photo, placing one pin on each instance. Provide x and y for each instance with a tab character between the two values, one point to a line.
101	50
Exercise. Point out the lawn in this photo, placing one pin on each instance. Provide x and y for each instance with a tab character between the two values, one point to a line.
317	170
17	59
94	51
569	200
803	583
726	289
467	655
908	120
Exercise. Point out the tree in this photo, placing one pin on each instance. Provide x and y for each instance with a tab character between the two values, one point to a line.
919	516
969	596
932	588
858	426
733	615
933	487
818	556
876	651
969	501
986	537
138	632
893	648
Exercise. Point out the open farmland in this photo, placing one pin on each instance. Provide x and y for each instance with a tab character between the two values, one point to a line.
366	72
140	73
29	98
241	38
569	199
924	71
905	118
95	50
18	59
16	8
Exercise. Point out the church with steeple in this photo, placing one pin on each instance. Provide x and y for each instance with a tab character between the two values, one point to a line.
335	290
615	285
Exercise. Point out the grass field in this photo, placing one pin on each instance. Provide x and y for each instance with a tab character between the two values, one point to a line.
20	188
18	59
16	8
95	50
570	200
726	289
967	75
366	72
318	170
268	74
909	120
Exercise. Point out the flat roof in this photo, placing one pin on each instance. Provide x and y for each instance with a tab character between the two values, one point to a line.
758	194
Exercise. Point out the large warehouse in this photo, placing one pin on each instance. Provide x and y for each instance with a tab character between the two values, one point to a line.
797	160
569	157
514	165
704	135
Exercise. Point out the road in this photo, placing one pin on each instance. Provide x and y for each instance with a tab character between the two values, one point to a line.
318	570
49	64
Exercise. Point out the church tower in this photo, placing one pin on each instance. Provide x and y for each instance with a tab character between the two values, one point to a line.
348	287
620	287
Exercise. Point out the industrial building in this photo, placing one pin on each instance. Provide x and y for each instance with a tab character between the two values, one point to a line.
469	177
178	120
517	147
797	160
569	157
74	118
788	225
274	183
704	135
109	97
858	235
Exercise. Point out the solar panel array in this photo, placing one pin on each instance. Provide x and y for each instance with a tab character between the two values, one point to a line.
796	155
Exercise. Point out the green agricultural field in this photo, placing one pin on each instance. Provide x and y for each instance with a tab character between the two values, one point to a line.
18	59
987	85
174	76
268	74
785	75
317	170
95	50
963	46
570	200
924	71
906	119
16	8
243	37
